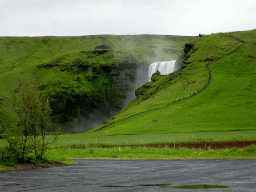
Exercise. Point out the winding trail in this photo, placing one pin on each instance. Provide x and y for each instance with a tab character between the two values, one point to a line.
193	94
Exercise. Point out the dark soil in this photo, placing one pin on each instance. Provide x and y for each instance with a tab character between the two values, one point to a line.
26	166
195	145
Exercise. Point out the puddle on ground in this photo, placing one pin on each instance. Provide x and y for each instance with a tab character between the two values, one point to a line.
177	187
200	186
10	184
158	185
144	185
115	186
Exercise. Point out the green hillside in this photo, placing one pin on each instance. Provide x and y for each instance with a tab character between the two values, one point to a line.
211	98
224	110
167	108
76	73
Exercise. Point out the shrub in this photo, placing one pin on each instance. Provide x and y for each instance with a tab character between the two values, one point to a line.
3	136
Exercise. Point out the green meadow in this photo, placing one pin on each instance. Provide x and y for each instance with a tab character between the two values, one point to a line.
165	110
63	155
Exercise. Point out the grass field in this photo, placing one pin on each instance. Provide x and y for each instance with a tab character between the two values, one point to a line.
223	111
152	153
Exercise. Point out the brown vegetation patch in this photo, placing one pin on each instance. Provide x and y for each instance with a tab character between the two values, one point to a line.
195	145
26	166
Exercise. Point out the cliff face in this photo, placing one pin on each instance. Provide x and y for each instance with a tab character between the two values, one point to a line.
188	47
106	101
124	78
92	92
124	75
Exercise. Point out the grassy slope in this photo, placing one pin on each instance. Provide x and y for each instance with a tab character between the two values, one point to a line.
20	56
190	79
223	111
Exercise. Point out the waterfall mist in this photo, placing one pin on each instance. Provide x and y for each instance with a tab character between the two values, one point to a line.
141	75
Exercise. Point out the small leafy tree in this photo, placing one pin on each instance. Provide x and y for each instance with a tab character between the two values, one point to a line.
44	119
34	117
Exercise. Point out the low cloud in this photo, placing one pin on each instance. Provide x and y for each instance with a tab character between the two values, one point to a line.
88	17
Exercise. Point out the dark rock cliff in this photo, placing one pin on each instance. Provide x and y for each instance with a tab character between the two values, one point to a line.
186	55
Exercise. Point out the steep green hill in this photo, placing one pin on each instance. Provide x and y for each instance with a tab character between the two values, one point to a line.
211	98
87	76
222	110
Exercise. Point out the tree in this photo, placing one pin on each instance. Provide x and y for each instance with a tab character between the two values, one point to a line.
33	119
2	128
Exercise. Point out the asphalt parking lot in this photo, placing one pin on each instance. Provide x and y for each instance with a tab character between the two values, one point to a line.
136	175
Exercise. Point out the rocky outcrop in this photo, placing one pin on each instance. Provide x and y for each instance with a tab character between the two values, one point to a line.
103	47
188	47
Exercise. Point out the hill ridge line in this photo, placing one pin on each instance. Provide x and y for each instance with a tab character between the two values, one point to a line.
193	94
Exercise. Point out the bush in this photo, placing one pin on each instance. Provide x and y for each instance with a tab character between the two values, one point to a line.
3	136
12	154
8	154
31	158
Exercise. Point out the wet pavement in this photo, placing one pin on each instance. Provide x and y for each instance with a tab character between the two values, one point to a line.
135	175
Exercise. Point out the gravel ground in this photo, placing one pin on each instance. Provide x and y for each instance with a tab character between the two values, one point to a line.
135	175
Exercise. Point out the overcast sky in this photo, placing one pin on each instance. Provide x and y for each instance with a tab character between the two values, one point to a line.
92	17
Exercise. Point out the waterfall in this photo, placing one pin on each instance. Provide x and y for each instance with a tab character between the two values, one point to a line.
164	67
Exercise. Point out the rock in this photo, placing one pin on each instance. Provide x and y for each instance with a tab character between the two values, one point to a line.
103	47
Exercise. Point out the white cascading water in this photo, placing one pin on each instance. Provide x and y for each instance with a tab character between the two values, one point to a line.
164	67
